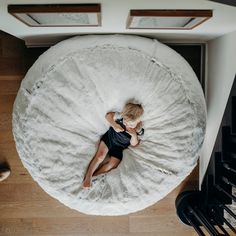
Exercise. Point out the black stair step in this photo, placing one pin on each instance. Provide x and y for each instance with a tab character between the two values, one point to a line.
229	181
228	143
229	168
232	155
219	172
233	114
232	139
226	132
224	192
218	158
232	147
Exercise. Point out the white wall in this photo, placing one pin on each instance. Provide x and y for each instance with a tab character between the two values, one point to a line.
221	73
114	17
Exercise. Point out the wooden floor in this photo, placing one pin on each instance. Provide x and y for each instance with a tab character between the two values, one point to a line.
25	209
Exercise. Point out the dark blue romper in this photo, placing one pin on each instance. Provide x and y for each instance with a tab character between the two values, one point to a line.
117	141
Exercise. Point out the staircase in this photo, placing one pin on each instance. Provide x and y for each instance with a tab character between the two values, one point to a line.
211	211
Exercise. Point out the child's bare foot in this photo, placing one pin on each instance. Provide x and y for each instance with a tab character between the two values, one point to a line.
86	183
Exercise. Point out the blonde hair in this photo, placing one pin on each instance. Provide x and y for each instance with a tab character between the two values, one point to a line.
132	111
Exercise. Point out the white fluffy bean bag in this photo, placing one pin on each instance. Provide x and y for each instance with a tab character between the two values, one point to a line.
58	117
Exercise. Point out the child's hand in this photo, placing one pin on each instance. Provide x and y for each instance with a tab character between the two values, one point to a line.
131	131
117	128
134	138
139	125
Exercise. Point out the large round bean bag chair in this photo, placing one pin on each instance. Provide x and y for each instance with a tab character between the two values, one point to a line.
59	117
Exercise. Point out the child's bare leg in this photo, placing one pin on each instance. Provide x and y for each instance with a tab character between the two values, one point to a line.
94	163
105	161
112	164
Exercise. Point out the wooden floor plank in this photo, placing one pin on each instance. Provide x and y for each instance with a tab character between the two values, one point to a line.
16	66
5	121
9	86
158	223
12	47
8	153
170	233
35	209
65	225
17	77
22	192
6	136
6	103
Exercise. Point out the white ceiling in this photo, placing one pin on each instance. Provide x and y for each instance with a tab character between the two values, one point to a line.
114	17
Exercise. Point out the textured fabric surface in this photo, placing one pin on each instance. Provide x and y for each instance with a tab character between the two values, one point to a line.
59	115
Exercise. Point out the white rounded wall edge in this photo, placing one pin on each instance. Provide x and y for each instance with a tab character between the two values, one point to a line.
220	77
114	17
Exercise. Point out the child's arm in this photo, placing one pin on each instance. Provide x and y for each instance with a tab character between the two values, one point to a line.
134	141
110	118
136	133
